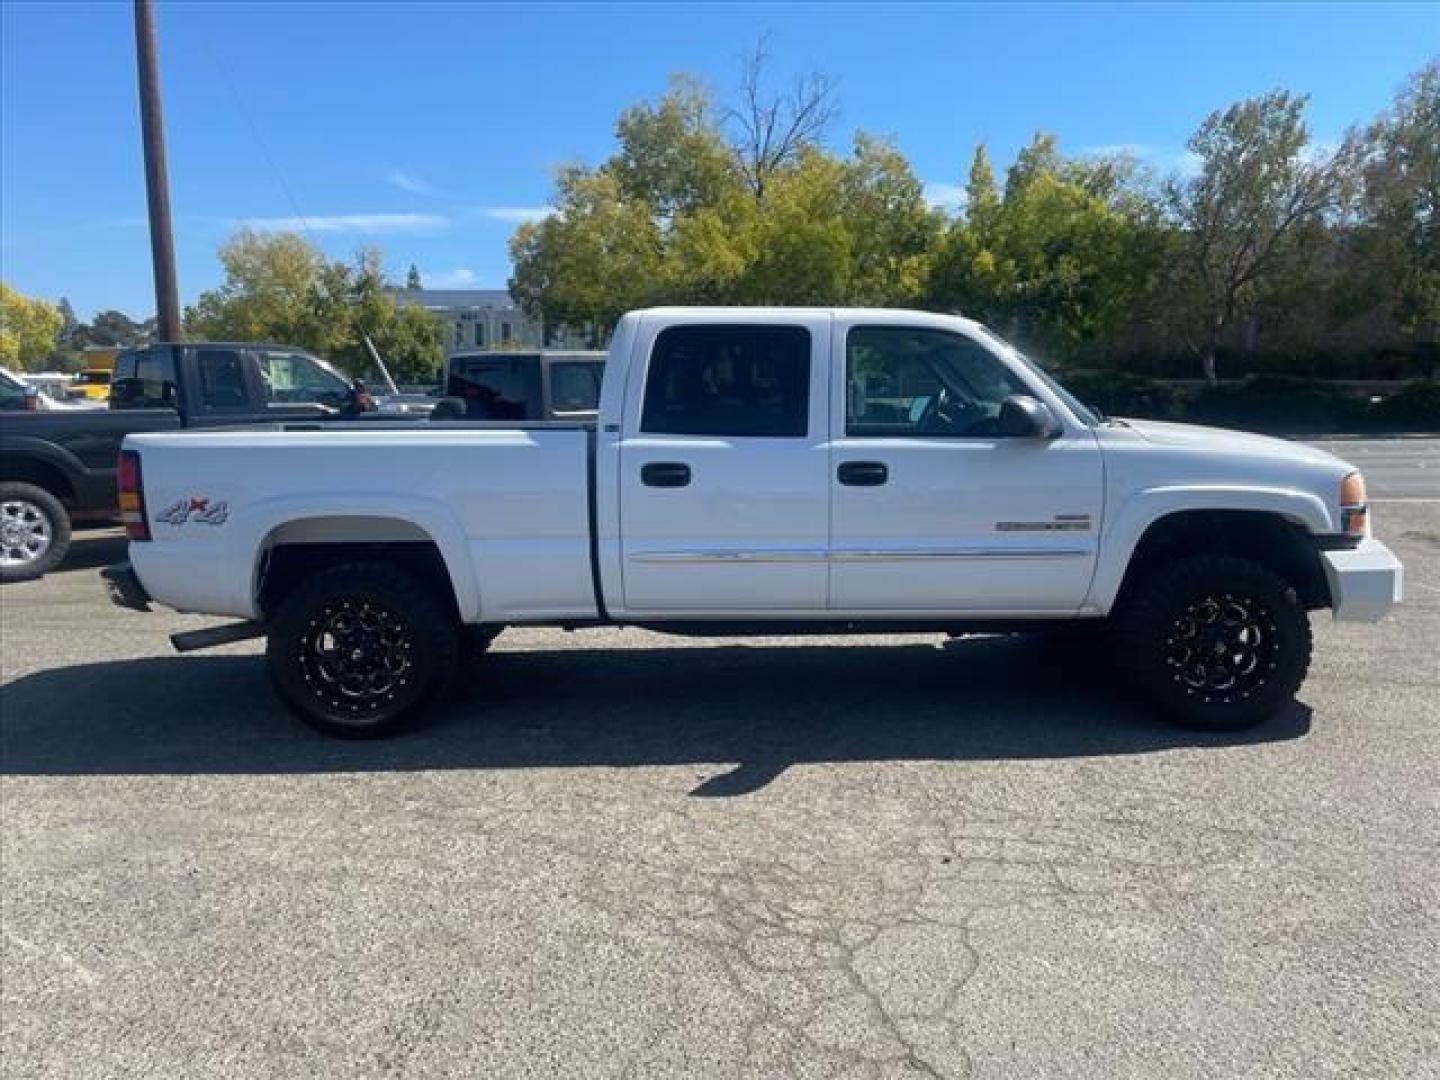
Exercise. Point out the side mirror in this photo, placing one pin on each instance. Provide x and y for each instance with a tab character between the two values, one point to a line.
1024	417
360	400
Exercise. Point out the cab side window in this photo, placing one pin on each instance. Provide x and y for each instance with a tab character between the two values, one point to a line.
222	379
575	387
904	381
294	378
499	388
744	381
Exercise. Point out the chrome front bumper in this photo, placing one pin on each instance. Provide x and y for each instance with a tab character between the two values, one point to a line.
1365	581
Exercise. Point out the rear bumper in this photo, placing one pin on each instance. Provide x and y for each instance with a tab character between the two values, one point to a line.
1365	581
123	586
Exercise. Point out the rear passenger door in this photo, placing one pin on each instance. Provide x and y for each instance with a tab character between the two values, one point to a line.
724	467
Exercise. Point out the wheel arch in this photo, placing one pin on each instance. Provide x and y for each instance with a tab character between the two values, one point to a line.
1274	536
287	547
29	465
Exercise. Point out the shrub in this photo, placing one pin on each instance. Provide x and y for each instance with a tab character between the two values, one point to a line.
1416	407
1279	403
1119	394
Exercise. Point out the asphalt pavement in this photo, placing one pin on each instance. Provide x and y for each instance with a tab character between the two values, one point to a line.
621	854
1406	468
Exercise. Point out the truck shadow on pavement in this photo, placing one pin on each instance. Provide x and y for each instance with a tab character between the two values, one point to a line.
761	708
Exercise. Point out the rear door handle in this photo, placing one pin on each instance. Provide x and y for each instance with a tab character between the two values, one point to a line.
862	473
665	474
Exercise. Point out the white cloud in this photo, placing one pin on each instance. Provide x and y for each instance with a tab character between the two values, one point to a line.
515	214
460	278
416	185
1161	159
359	224
942	196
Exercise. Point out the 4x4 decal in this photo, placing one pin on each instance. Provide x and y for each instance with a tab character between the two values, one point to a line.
205	511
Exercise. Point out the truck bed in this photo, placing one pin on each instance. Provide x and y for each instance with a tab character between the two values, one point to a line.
507	504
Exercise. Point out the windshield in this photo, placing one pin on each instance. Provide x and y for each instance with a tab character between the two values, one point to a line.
1083	412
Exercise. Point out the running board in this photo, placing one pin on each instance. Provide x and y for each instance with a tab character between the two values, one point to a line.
191	640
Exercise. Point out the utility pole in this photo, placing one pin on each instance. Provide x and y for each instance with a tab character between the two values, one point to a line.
157	187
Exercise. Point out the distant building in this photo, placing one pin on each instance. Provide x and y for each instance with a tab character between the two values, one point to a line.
483	318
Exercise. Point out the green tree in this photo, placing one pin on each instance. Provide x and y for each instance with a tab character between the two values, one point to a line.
1400	206
592	260
29	329
672	155
1256	206
1060	260
111	330
676	216
279	287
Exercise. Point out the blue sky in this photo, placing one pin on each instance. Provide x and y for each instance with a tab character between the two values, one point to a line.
430	129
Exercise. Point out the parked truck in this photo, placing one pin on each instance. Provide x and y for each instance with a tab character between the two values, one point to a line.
58	467
753	471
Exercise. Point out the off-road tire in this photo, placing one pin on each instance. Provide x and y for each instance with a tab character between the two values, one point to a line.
44	510
359	650
1217	642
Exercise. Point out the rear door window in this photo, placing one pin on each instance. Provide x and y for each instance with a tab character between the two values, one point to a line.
745	381
222	380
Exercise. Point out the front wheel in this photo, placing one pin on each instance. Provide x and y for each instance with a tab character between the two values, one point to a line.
1217	642
360	649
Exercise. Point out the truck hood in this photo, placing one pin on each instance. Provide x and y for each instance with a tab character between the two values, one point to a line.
1222	440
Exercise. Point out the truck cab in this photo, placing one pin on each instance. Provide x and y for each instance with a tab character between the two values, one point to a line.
225	383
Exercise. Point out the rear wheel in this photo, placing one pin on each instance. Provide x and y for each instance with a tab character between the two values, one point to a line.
1218	642
34	532
360	649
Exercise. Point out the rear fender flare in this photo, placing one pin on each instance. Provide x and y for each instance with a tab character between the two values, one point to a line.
253	528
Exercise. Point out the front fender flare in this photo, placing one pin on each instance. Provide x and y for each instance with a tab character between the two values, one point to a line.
1124	528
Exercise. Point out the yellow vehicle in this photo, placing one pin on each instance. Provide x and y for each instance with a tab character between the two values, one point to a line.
94	382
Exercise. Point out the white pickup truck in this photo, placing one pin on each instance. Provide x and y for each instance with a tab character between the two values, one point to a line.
759	470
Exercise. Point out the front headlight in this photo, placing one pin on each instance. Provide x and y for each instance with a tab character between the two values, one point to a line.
1354	513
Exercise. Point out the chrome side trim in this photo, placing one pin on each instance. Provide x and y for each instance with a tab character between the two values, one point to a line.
796	555
856	555
886	555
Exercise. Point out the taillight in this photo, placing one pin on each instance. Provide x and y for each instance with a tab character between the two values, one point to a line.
132	495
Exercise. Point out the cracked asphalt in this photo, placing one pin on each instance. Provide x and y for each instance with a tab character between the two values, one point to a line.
624	855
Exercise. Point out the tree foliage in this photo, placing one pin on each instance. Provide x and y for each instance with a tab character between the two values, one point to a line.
279	287
681	214
1399	246
29	329
1269	241
1060	259
1255	206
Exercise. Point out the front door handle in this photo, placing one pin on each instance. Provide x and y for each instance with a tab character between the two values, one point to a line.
665	474
862	473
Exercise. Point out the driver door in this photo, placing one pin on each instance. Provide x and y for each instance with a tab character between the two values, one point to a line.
934	511
295	385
